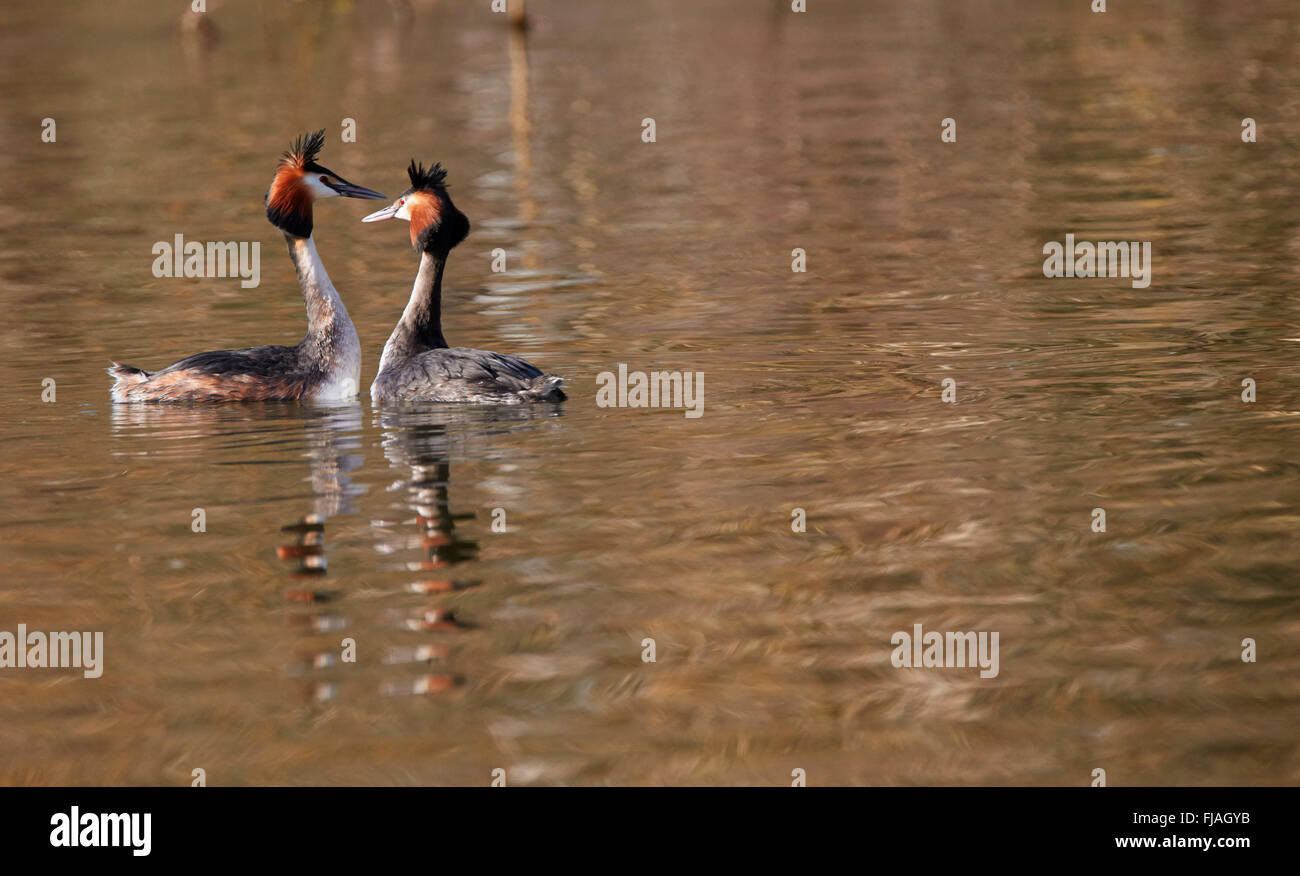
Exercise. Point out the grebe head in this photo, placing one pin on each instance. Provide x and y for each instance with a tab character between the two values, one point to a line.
299	182
436	224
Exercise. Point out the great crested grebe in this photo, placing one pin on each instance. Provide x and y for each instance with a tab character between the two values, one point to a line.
326	364
417	364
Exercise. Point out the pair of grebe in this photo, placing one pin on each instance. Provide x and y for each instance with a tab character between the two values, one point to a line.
417	364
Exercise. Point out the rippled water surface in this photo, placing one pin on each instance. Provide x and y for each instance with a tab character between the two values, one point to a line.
479	649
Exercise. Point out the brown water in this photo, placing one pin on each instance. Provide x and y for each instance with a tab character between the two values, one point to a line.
521	650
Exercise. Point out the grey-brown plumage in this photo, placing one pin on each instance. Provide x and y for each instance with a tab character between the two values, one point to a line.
326	364
268	373
461	374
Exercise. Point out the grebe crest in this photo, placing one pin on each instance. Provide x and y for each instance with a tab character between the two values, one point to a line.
436	224
300	181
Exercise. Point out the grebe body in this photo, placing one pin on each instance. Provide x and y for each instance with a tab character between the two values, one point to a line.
417	364
325	365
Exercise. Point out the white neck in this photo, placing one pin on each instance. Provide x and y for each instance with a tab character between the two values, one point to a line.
420	327
331	337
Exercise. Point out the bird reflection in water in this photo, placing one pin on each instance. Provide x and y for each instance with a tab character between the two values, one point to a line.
331	446
422	441
332	454
224	434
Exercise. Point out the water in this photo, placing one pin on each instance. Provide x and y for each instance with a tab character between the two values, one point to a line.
521	650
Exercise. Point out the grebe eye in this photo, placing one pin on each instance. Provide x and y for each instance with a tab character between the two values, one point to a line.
324	179
401	202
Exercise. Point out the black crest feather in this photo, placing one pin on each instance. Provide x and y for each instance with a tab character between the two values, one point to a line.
434	177
305	149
